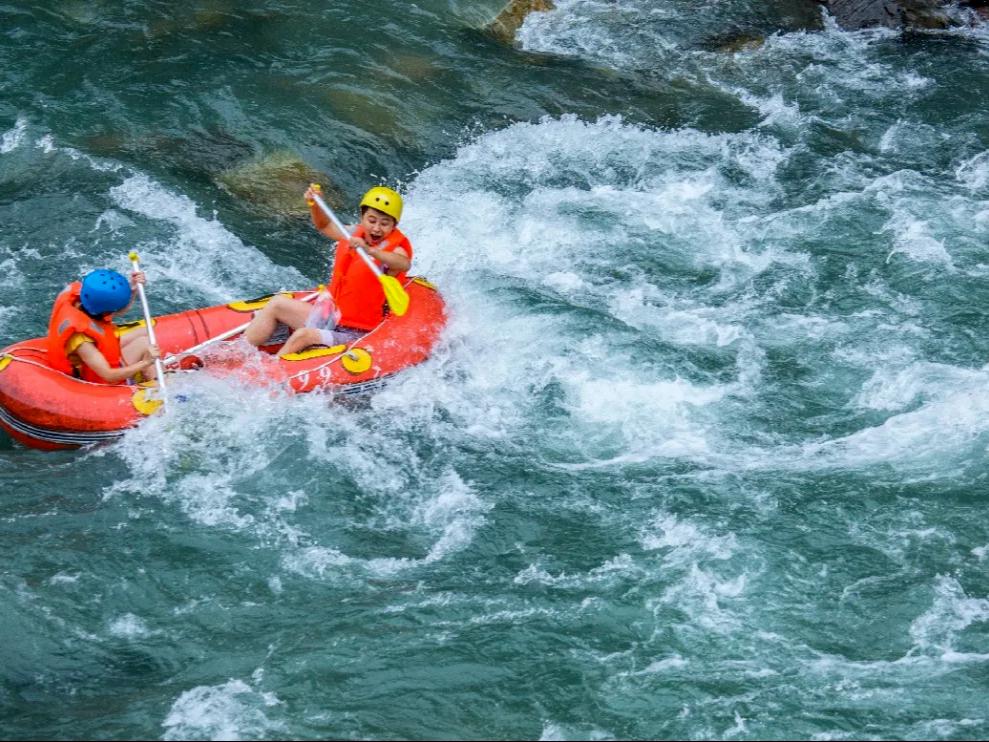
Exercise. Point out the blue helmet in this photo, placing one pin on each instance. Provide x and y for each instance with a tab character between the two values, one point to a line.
104	292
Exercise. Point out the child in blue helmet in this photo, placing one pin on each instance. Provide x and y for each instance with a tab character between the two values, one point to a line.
82	339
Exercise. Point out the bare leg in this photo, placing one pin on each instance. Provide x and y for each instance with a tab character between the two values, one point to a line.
138	336
301	339
133	347
291	312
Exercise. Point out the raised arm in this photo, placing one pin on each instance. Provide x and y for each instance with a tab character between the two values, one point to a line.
320	220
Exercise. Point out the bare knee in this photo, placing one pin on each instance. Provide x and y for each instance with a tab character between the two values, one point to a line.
134	336
132	351
271	308
301	339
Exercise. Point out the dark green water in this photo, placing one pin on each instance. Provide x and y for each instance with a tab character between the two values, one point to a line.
703	452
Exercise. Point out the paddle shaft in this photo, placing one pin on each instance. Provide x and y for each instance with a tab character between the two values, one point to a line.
159	366
222	336
343	230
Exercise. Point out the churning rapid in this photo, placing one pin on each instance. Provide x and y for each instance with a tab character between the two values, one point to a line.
702	453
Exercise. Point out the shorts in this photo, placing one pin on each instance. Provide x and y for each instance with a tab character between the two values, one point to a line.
339	336
280	335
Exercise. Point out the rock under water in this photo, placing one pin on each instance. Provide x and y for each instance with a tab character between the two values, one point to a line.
276	182
513	15
897	14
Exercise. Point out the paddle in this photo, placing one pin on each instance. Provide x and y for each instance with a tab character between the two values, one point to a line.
222	336
159	367
395	295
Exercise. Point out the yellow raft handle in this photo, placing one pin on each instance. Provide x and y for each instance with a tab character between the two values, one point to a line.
356	361
143	403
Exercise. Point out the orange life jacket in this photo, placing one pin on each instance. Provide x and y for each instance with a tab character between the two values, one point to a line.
354	287
66	320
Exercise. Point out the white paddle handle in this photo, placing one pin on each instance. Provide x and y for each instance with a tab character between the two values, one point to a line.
159	367
222	336
343	230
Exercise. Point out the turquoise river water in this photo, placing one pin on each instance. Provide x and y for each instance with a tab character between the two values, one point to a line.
703	450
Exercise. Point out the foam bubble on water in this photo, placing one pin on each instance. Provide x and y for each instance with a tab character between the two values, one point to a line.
317	561
553	731
455	512
13	138
684	540
207	465
113	221
128	626
199	253
776	112
11	275
707	598
832	66
973	173
64	578
738	728
210	500
621	567
854	679
10	316
894	389
698	570
901	195
47	144
912	80
679	322
574	28
200	461
451	516
944	729
908	137
511	617
676	662
946	427
830	736
230	711
913	238
574	199
565	282
935	631
589	193
644	419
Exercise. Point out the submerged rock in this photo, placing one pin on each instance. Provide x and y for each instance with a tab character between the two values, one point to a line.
379	115
732	44
276	182
749	31
200	153
897	14
85	12
513	15
214	15
981	8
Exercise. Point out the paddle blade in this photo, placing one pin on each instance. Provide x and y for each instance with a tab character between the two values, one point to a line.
395	295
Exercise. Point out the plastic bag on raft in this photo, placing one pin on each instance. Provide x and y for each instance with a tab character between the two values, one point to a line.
324	315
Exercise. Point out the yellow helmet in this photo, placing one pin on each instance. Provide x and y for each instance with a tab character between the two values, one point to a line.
384	200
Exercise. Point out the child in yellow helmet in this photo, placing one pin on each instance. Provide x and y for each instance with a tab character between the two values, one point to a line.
354	288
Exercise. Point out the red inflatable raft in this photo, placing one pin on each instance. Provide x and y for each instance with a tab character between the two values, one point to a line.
47	409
